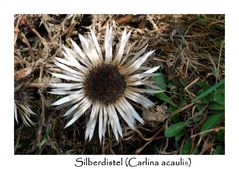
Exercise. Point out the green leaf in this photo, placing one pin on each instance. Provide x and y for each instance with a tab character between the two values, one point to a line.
160	81
207	99
216	106
174	129
202	84
219	96
208	91
177	138
212	121
176	118
172	109
186	147
166	98
220	136
199	107
219	150
172	84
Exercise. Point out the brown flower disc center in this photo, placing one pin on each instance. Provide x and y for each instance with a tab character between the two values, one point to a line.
105	84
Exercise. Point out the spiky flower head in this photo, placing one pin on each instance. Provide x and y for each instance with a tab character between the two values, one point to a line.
103	83
25	113
22	108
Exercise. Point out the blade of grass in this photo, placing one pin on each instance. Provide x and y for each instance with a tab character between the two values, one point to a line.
210	90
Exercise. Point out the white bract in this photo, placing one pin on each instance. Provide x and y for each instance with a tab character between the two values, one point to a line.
25	112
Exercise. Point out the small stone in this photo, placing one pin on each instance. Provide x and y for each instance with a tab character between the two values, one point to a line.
155	115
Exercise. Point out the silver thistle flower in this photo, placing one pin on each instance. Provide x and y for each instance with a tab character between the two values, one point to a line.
21	108
25	113
102	83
